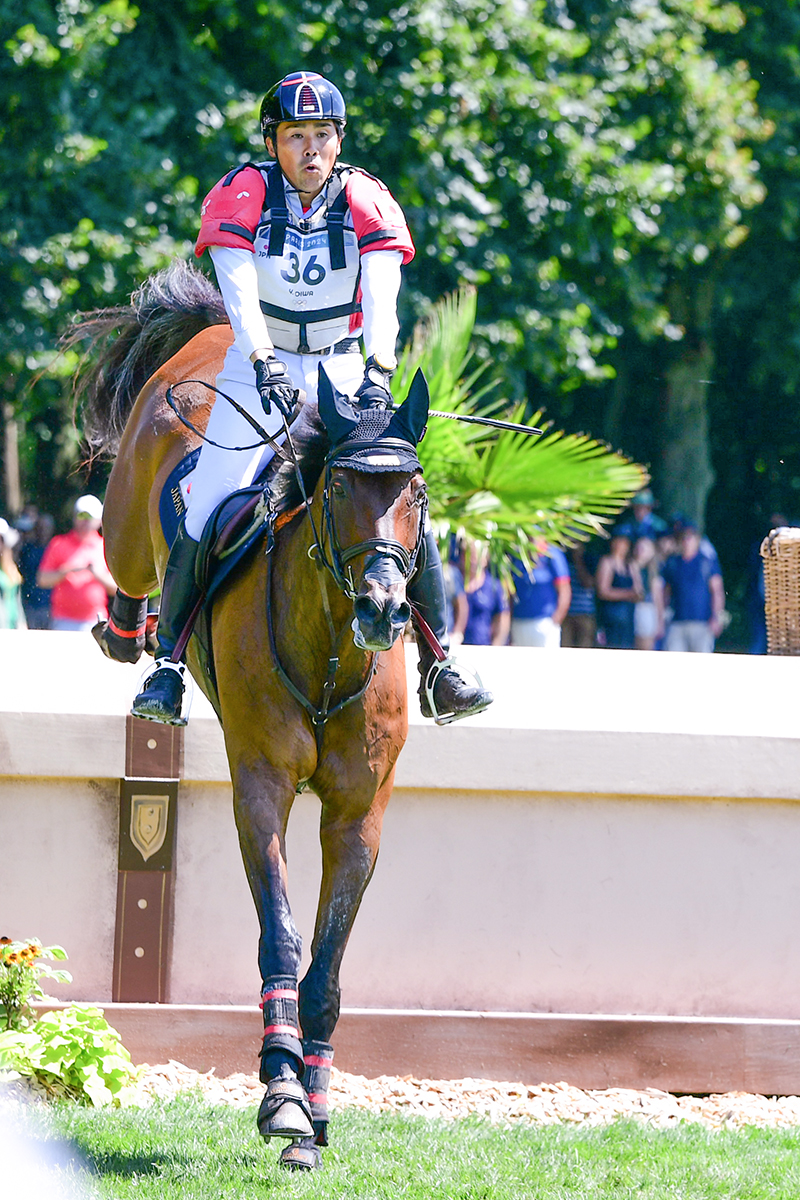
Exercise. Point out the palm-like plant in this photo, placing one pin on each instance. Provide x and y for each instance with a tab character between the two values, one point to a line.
502	488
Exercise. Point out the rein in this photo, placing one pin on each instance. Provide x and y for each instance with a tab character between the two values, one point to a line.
334	563
266	438
318	716
333	559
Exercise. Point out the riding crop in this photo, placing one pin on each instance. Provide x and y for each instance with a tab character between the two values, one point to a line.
492	421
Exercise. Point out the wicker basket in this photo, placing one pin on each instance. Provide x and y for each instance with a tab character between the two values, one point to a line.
781	554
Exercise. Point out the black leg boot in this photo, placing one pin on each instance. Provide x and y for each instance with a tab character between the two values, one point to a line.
123	636
284	1111
161	697
453	696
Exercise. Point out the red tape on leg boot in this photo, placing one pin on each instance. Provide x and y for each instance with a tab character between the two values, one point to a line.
318	1058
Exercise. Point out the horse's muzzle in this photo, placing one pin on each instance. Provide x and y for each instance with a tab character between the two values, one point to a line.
381	614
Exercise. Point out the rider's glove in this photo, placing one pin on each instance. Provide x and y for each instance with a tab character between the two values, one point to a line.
275	386
376	388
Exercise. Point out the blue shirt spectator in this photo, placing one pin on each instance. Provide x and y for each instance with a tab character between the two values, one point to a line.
688	581
454	593
642	521
693	589
536	590
37	532
579	628
542	598
487	603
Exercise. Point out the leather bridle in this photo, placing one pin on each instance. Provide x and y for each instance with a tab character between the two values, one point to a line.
327	546
331	558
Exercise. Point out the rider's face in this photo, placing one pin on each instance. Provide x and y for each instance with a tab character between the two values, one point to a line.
307	152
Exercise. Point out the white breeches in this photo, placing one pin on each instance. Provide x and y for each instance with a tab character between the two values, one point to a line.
220	472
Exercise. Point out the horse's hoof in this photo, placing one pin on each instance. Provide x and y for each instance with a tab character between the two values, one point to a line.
301	1156
284	1111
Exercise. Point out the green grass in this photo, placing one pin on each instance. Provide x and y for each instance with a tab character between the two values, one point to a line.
189	1150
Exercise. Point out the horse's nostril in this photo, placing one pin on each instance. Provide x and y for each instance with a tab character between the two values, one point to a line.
402	614
366	609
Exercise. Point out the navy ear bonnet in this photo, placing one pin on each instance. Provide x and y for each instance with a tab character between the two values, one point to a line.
374	439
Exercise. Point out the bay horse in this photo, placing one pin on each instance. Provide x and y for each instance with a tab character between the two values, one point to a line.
282	642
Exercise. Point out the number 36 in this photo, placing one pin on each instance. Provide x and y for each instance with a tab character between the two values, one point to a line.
313	272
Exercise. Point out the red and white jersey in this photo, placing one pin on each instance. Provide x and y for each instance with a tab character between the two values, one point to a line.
308	261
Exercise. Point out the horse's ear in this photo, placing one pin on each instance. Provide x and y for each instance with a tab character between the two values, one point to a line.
411	417
337	413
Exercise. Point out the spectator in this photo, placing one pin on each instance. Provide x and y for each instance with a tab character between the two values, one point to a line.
580	624
541	600
619	587
680	522
457	603
36	532
693	588
644	522
74	566
488	618
646	613
12	615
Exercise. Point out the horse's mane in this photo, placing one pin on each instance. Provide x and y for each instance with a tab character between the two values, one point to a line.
126	344
311	444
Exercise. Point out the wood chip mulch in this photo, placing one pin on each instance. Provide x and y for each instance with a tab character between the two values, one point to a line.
502	1103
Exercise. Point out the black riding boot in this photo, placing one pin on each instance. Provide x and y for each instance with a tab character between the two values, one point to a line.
453	696
161	697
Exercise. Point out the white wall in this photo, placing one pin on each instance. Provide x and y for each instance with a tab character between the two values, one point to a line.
619	833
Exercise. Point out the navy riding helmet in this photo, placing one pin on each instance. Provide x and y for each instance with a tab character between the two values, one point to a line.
302	96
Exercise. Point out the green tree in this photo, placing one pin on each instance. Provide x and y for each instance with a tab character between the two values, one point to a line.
505	489
583	163
108	114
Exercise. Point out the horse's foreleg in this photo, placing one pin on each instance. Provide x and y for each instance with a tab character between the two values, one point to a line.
261	821
349	852
350	845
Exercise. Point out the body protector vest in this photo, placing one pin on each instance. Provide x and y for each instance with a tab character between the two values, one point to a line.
308	266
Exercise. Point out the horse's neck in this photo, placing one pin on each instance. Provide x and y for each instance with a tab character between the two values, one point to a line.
311	615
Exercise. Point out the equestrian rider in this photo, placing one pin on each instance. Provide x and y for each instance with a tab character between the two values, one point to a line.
307	253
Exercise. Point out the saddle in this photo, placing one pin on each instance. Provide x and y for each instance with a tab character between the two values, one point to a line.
231	533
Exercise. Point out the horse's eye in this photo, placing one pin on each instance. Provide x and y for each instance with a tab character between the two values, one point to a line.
337	487
422	492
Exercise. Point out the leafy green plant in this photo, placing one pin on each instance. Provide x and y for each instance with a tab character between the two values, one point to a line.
73	1052
505	489
22	965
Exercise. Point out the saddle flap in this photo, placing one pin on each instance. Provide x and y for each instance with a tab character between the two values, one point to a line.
230	532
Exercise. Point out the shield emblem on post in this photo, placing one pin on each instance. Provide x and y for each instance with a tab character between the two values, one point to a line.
149	823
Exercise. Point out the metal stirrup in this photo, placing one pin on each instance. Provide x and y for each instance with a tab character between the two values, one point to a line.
434	671
180	668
